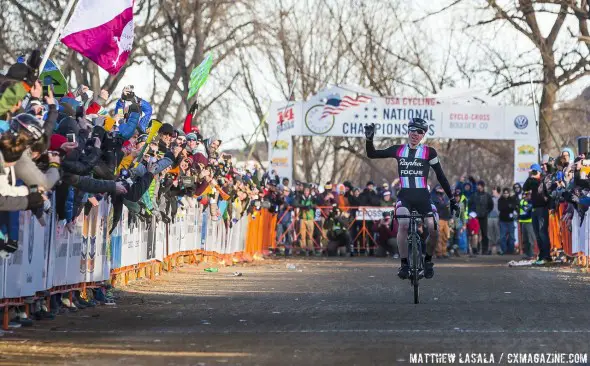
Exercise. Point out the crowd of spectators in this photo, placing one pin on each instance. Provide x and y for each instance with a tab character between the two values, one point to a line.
314	219
65	155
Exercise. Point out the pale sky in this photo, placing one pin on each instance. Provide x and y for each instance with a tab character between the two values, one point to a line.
439	27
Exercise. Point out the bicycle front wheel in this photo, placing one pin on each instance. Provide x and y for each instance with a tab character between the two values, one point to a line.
415	267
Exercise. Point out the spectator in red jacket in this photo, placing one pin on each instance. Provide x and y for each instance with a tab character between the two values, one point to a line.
387	241
473	233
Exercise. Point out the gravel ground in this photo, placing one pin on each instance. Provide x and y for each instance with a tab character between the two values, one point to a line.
342	311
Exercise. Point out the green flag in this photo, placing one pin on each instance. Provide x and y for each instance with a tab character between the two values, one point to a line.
199	75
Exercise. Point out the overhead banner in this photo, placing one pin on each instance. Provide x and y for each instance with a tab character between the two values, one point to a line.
344	112
337	112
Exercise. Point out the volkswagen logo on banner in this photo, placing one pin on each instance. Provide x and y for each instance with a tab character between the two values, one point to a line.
521	122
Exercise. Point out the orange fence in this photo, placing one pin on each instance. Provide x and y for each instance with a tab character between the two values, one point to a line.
262	232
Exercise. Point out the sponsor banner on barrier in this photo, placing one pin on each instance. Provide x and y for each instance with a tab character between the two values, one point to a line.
60	258
130	239
172	239
372	213
33	278
2	276
204	225
97	268
160	245
15	280
181	227
190	239
580	234
58	254
76	260
143	242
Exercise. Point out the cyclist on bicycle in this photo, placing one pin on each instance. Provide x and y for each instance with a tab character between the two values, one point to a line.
413	162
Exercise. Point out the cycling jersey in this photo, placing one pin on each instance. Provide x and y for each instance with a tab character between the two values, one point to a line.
413	166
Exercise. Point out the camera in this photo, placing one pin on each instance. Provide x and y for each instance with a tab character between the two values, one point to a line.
128	93
187	182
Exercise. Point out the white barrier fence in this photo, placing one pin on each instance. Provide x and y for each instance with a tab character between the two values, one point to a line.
50	256
581	233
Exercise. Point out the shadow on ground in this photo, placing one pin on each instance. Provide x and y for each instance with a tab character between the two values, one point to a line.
317	312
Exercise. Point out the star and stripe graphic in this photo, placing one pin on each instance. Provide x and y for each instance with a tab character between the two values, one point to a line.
336	105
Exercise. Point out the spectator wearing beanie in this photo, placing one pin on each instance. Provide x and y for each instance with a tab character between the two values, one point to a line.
483	204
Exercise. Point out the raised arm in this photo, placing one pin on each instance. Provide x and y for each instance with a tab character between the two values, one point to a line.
373	153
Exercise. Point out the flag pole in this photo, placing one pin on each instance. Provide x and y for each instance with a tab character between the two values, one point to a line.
540	156
56	33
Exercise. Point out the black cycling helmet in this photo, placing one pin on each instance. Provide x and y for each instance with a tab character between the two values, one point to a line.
28	123
418	124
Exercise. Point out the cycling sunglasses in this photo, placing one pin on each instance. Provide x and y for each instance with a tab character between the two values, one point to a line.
417	130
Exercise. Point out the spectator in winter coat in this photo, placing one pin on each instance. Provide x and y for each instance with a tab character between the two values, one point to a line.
482	203
540	200
284	218
387	242
473	229
306	205
525	219
13	197
507	206
494	221
369	197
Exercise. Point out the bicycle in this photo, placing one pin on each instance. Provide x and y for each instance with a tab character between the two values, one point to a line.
416	257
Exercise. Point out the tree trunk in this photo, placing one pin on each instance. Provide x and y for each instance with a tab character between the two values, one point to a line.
163	107
546	109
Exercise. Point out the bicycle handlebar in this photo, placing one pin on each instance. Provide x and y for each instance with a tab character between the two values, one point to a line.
412	216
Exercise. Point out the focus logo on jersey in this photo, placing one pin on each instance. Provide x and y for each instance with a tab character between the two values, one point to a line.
411	172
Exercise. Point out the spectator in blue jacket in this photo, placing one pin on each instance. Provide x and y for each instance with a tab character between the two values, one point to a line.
128	97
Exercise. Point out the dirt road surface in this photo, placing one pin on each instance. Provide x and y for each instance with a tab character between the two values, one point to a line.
343	311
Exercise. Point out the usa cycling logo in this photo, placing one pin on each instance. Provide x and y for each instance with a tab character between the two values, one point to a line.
521	122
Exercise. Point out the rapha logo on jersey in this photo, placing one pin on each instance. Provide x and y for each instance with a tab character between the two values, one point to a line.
521	122
407	164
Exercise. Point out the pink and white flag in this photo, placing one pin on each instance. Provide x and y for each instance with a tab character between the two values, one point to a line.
101	30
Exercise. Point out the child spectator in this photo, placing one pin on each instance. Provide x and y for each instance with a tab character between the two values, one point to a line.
473	233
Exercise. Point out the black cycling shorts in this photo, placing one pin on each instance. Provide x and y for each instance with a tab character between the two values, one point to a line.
416	199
